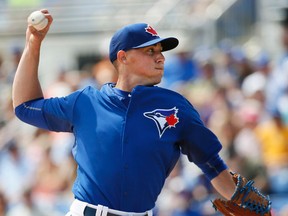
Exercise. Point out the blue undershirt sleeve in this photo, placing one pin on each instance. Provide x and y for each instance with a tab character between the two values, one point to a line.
213	167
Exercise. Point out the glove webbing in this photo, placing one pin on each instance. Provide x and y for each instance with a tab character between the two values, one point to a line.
252	205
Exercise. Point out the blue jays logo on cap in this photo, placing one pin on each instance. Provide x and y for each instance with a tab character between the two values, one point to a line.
164	118
138	35
151	31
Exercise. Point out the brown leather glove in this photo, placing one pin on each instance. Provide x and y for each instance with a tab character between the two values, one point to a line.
246	200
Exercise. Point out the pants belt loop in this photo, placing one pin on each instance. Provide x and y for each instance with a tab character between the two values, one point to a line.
78	207
99	210
149	213
104	211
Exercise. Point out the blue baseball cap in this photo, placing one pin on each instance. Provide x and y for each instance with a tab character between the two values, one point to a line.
137	36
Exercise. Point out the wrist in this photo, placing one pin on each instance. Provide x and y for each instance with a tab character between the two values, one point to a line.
33	47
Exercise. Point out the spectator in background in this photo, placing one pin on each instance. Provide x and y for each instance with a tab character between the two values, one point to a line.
234	66
61	84
277	85
103	72
5	97
15	172
227	58
51	181
26	207
98	74
203	91
247	145
273	136
242	64
179	69
246	142
2	73
15	58
3	204
273	133
255	84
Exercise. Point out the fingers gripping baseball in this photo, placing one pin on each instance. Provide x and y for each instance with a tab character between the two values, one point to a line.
39	23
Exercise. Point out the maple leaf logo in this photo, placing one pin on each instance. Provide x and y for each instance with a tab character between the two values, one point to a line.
172	120
151	30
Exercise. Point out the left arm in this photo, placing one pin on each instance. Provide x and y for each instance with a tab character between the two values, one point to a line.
202	147
224	184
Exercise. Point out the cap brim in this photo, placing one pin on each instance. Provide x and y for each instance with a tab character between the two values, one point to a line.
167	43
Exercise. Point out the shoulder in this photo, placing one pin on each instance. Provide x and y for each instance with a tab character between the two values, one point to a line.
77	97
159	91
87	91
155	95
170	94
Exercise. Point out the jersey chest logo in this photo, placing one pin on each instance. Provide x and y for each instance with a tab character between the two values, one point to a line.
164	118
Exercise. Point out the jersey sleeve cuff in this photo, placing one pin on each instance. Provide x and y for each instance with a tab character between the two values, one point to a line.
213	167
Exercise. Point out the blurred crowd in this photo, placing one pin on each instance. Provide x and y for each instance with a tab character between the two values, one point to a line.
242	100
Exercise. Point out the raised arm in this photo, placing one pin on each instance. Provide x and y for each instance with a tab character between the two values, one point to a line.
26	85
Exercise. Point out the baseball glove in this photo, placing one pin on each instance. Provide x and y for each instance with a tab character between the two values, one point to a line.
246	200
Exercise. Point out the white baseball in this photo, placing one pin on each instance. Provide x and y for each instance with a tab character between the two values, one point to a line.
38	20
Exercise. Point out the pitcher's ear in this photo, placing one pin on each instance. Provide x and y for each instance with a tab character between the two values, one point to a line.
121	56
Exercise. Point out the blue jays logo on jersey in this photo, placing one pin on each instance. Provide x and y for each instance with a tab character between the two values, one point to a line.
164	118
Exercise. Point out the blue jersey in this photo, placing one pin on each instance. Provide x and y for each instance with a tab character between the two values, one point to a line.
125	150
